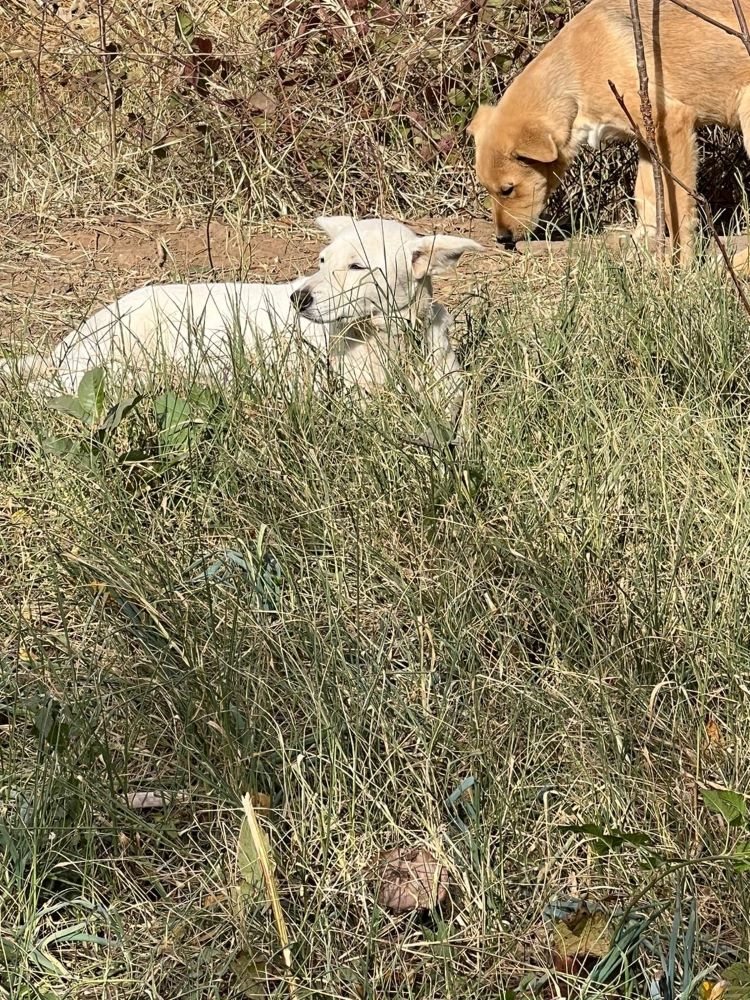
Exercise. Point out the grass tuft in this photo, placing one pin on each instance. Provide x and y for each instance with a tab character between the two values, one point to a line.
467	649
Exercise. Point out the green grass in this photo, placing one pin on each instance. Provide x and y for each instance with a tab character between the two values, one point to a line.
557	606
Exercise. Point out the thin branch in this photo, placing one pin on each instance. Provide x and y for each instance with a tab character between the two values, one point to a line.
743	24
648	122
106	56
709	20
697	198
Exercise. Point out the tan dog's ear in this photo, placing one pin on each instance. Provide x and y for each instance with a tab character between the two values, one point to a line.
480	118
437	254
332	225
537	146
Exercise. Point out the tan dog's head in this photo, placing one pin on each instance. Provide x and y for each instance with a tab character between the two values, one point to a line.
520	161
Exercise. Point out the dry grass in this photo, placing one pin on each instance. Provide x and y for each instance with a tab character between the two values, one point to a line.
299	107
556	607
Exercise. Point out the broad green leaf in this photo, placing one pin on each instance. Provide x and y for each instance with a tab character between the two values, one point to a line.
612	839
50	726
741	857
91	394
731	805
252	975
68	405
117	413
58	446
637	839
174	416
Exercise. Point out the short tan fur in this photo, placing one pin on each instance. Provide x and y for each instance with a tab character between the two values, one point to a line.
562	101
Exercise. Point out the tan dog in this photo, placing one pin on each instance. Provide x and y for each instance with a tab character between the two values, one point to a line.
698	75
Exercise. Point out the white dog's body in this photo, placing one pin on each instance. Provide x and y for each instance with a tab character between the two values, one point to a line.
372	287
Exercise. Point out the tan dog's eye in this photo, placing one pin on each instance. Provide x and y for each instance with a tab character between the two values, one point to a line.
357	267
507	189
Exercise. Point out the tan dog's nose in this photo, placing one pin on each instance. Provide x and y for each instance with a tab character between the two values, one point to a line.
506	241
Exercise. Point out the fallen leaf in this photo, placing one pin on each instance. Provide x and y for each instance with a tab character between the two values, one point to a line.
153	800
261	102
248	862
714	736
583	934
261	803
254	847
712	990
411	879
734	983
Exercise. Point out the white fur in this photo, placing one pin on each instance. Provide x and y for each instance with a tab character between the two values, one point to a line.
372	288
596	135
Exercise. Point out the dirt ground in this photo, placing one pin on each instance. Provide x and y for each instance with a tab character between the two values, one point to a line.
55	272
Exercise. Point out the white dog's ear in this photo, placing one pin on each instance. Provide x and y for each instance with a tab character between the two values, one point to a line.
332	225
437	254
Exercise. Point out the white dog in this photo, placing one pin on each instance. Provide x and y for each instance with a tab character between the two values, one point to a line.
372	293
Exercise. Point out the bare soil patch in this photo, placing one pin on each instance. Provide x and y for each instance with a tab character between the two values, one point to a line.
53	273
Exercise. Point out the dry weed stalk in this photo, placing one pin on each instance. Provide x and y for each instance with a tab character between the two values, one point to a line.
648	122
111	103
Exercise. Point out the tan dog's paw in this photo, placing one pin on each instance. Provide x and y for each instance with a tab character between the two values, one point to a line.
741	262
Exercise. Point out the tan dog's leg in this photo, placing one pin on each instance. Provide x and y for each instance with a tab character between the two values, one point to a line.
744	116
677	148
645	200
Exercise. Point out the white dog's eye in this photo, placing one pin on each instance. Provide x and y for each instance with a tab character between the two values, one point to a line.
507	189
357	267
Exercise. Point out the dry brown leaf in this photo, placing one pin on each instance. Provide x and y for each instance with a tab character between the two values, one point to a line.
261	803
714	735
263	103
411	879
583	934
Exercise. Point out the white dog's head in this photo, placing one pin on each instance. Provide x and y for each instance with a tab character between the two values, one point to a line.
375	269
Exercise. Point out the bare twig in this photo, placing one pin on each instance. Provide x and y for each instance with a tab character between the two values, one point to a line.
709	20
743	34
697	198
743	24
105	57
648	122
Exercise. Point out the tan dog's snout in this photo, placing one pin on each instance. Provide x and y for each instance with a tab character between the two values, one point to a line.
505	240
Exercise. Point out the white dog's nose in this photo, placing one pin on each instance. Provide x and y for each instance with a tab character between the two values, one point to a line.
301	299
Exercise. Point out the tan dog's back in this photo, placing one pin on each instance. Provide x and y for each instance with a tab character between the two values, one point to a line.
696	64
